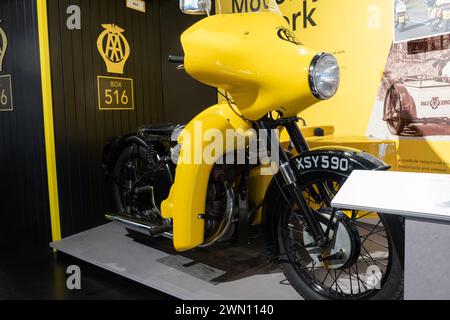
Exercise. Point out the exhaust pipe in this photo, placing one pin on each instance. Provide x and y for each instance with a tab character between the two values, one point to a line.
139	226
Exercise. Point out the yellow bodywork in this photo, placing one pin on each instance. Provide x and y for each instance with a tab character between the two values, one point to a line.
187	199
244	55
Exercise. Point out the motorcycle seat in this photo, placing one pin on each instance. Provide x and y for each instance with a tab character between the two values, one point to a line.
165	129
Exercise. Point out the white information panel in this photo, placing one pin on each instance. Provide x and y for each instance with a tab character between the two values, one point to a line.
407	194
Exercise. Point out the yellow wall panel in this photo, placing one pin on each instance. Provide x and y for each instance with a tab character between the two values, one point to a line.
359	32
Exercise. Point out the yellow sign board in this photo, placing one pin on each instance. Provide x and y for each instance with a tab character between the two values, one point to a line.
115	93
6	97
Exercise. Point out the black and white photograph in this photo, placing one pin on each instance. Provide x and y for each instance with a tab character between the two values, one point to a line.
417	19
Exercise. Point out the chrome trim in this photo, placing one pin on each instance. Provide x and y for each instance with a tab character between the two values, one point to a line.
288	174
136	226
132	225
312	68
226	222
168	235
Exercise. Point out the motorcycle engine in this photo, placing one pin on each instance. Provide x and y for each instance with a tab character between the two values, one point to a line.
220	207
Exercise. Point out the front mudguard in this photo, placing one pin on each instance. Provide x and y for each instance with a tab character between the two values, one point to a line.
340	160
187	199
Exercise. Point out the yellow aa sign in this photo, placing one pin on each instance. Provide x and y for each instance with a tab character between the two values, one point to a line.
3	47
114	48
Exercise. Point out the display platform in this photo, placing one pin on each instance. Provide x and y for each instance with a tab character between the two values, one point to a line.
223	272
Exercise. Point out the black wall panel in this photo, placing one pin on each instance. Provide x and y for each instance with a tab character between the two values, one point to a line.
24	208
81	130
183	96
161	94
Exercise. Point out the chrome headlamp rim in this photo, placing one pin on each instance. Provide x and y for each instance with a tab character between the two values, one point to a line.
312	70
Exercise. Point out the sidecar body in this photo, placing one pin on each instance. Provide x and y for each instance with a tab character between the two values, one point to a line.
431	96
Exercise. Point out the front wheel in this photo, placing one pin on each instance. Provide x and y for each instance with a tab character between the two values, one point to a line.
393	109
361	260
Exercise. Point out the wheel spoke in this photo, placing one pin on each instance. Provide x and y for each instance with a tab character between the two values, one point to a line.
377	243
367	236
377	260
336	276
370	256
351	283
311	199
365	215
373	233
326	277
364	259
359	278
338	287
314	270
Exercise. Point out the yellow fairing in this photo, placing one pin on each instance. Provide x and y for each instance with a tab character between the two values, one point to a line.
246	55
186	202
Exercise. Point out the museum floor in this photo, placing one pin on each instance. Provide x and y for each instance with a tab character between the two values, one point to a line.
38	273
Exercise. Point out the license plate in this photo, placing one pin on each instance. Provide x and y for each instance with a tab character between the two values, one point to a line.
324	162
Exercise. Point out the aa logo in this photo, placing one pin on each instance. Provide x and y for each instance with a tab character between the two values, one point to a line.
435	103
288	35
3	47
113	48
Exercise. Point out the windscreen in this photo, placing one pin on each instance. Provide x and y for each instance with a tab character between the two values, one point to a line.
246	6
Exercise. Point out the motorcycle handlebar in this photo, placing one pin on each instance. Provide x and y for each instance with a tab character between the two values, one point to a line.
176	59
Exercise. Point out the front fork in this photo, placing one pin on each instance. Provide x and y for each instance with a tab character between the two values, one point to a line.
290	173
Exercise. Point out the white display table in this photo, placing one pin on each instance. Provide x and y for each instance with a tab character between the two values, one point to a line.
424	200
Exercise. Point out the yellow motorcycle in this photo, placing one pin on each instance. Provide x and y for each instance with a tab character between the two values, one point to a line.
245	162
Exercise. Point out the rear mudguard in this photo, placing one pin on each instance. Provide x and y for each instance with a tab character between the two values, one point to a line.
187	199
339	160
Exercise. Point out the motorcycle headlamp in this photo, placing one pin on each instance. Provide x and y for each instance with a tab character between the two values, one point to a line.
324	76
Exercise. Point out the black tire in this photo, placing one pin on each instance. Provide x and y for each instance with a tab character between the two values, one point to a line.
138	158
397	124
125	156
392	282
